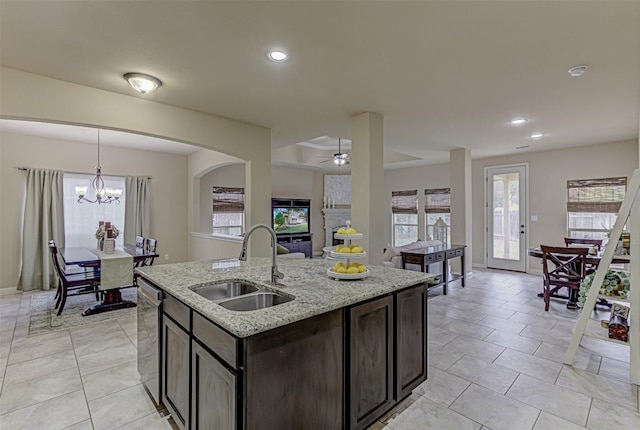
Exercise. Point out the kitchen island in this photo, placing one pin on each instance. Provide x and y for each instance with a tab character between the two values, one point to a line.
338	355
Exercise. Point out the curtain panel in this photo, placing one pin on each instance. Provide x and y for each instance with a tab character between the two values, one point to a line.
137	213
404	202
43	220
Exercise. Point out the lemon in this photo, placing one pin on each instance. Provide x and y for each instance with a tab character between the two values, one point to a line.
341	231
346	250
341	270
337	266
351	231
357	249
340	264
352	270
362	268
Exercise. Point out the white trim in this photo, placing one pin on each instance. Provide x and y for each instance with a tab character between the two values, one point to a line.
526	210
222	237
478	265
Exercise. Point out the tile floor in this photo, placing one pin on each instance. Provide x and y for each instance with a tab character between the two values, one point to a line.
495	362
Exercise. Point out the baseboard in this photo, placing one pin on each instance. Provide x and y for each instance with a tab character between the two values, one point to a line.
9	290
479	265
537	272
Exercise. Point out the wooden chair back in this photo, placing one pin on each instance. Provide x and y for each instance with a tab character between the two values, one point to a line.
150	245
139	241
588	242
563	267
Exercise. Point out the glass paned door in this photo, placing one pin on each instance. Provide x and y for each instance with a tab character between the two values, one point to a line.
506	217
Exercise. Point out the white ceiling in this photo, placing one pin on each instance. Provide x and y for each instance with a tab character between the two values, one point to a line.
445	74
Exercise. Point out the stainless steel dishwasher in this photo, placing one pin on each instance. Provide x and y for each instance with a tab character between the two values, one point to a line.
149	340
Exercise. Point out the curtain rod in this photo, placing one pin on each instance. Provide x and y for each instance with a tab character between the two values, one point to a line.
79	173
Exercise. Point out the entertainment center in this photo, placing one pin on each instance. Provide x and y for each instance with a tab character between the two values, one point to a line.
291	219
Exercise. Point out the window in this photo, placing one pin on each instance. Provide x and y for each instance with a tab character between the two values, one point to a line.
437	209
228	211
593	205
81	219
404	208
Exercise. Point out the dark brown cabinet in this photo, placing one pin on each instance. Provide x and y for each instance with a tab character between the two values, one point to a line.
411	338
371	361
213	386
175	369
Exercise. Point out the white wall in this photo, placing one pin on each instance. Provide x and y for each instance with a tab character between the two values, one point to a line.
34	97
168	187
548	175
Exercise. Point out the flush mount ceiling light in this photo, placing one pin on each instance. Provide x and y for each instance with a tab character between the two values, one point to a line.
577	71
142	83
277	55
536	136
518	121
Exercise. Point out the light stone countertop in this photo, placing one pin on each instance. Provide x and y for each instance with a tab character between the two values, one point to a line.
305	279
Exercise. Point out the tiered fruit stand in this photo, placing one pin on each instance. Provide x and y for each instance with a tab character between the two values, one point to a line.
347	257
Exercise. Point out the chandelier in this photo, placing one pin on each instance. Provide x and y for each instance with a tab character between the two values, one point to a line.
102	193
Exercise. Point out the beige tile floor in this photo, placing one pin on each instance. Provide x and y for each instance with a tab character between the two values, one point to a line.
495	362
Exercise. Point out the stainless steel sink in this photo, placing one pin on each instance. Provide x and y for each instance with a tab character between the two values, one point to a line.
224	290
254	301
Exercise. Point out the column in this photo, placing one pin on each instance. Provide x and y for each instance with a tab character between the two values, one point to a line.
461	211
368	199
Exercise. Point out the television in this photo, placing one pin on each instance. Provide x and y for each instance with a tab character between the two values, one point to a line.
289	219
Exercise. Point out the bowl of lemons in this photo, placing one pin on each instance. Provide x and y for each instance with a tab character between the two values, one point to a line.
350	250
351	271
347	233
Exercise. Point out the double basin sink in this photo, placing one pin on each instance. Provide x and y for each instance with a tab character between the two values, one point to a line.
240	295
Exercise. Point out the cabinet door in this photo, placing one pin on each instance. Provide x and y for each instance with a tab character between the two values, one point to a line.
371	361
411	338
213	392
175	371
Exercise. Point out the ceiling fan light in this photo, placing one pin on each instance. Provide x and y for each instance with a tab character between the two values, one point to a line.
142	83
340	161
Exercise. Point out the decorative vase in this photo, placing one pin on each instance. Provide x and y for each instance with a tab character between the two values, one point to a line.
101	244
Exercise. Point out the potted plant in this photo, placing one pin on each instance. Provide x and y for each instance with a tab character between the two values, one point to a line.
614	285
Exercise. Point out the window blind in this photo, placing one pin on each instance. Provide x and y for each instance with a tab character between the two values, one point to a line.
404	202
226	199
596	195
437	201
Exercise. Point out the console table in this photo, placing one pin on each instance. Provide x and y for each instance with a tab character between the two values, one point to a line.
436	254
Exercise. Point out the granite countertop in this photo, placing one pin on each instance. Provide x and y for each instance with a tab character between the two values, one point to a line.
305	279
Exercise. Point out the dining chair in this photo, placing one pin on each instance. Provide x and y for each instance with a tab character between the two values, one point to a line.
568	241
562	267
139	242
72	284
150	245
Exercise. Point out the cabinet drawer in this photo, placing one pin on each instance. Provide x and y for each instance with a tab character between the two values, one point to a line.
439	256
176	310
455	253
413	259
216	339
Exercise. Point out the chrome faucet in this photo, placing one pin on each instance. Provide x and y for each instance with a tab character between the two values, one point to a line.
275	273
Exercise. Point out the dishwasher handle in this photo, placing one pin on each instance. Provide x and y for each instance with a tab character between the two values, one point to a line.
151	293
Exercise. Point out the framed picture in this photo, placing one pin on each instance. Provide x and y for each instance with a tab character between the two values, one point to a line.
338	188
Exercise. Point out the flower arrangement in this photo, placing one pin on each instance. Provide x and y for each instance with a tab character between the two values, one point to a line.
615	284
101	232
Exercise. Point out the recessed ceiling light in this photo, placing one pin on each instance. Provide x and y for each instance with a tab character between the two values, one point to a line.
536	136
142	83
578	71
521	147
518	121
278	56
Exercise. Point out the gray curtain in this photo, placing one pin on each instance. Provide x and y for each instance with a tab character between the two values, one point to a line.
137	213
43	220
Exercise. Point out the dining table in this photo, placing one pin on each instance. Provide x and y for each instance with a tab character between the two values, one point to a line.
90	258
591	260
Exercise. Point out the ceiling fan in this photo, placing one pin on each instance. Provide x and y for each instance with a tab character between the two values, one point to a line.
339	158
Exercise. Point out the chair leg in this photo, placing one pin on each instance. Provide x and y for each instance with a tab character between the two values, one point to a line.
64	300
547	298
58	294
